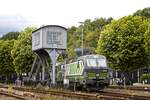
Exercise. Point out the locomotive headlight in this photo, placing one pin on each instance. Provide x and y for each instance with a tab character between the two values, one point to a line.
97	74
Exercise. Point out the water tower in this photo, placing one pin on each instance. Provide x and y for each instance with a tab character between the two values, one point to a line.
48	41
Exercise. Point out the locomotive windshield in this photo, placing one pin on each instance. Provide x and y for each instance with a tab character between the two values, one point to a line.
101	62
91	62
96	62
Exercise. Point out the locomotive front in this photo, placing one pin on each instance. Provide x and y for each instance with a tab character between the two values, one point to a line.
96	72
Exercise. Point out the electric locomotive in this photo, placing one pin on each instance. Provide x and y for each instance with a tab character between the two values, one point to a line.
87	72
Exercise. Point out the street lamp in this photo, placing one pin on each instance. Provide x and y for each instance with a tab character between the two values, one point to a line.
82	53
82	42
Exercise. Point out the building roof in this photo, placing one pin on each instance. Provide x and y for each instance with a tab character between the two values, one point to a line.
50	26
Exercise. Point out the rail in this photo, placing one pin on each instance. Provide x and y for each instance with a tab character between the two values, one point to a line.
12	95
137	88
105	95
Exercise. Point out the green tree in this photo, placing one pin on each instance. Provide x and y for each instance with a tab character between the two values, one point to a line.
144	12
22	51
91	31
6	61
145	77
72	42
147	38
10	36
91	39
122	42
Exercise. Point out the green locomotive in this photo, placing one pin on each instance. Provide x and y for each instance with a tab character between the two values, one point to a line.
87	72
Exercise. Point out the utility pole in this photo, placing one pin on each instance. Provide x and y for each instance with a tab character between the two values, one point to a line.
82	43
82	35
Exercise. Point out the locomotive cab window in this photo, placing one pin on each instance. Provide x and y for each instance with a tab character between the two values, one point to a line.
96	62
91	62
101	62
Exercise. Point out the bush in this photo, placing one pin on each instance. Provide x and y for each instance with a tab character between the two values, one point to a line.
145	78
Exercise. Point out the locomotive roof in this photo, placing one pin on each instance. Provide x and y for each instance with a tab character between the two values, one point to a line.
91	56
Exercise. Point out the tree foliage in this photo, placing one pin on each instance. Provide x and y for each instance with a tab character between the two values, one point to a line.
72	42
122	42
22	51
10	36
147	38
91	31
145	78
144	12
6	65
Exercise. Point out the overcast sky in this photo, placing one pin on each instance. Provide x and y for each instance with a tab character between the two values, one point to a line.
18	14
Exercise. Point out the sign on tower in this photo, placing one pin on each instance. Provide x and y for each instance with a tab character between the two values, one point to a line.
49	37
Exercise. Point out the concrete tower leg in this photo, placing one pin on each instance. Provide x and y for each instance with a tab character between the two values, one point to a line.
53	55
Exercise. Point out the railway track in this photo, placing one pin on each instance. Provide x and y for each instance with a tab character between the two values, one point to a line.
137	88
102	95
122	96
90	96
18	97
79	95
